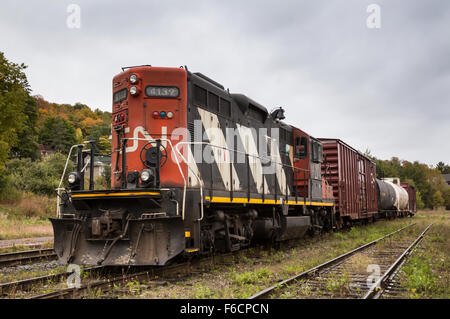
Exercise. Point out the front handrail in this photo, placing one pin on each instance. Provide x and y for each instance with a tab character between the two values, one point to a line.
59	188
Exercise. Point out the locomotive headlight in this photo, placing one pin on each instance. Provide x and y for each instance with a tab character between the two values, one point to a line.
72	178
133	78
145	175
133	90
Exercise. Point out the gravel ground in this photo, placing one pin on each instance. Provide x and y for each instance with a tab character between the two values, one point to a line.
44	266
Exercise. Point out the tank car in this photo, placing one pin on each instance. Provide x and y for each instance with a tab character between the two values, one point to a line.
393	199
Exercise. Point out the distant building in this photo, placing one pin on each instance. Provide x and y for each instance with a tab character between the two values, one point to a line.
446	178
46	150
100	165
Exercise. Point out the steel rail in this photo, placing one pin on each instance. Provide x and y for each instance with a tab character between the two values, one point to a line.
28	284
75	292
21	257
377	289
266	292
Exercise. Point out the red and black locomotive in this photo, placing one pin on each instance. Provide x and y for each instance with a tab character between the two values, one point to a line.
196	169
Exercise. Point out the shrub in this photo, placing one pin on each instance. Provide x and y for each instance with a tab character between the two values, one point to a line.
40	177
31	206
8	193
37	206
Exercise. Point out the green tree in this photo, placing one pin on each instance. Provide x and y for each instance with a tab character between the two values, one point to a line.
28	146
443	168
447	198
100	133
438	200
99	130
57	133
14	93
419	201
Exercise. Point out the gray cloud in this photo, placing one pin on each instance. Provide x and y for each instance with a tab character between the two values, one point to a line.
384	89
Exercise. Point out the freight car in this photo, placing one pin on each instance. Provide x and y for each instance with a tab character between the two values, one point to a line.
412	204
352	176
395	199
359	196
195	170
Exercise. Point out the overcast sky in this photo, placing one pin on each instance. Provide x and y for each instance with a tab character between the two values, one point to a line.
385	89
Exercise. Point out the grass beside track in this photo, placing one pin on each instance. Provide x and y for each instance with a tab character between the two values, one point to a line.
427	273
27	217
247	275
12	228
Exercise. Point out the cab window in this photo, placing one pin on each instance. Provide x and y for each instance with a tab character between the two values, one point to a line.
301	147
316	152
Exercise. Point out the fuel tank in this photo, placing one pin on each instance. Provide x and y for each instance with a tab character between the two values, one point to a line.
291	227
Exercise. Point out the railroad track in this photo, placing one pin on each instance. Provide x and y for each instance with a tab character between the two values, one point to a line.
387	284
153	275
22	257
112	277
365	272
